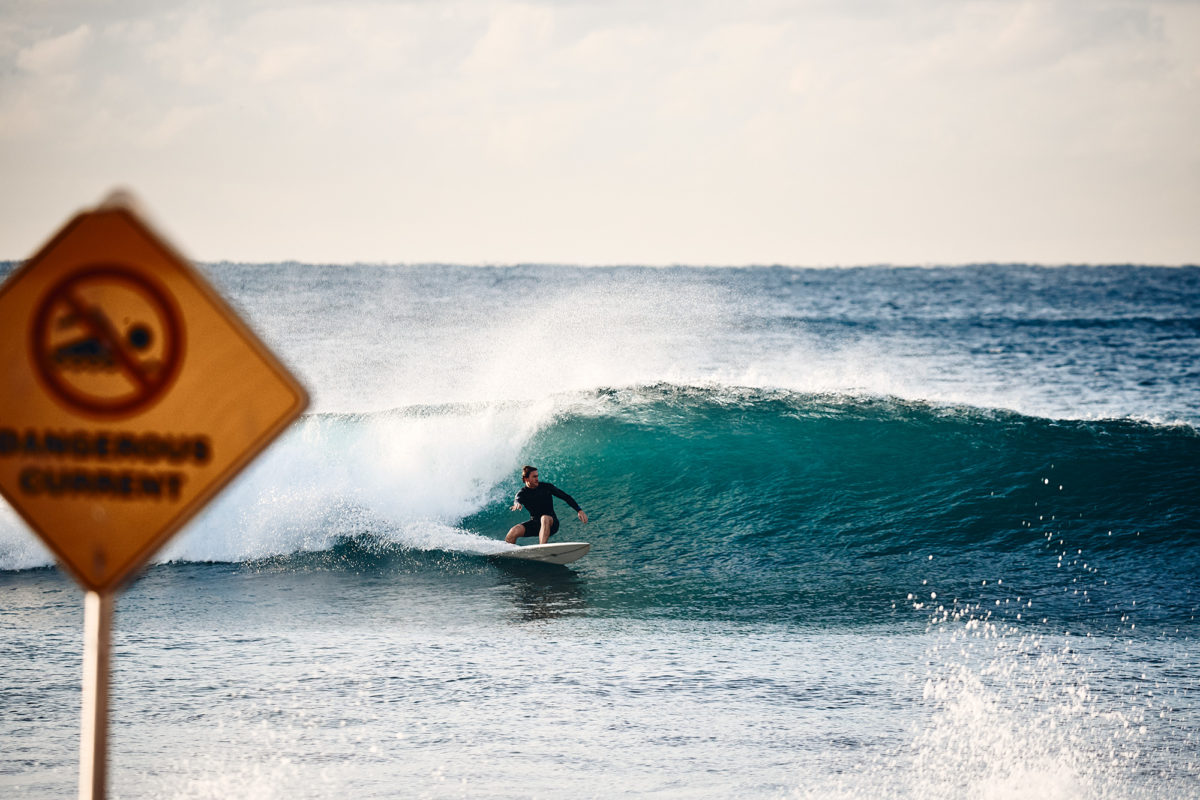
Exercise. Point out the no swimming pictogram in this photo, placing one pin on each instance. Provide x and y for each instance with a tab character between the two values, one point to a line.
107	341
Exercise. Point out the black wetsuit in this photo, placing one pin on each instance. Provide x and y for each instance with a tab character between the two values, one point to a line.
540	501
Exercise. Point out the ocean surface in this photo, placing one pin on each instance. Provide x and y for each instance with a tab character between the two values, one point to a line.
856	533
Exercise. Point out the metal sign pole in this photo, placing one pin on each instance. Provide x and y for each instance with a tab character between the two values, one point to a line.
93	744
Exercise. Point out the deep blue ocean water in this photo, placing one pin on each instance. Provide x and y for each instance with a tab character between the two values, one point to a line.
857	533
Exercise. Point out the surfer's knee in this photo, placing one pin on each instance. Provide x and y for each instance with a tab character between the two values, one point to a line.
547	520
514	533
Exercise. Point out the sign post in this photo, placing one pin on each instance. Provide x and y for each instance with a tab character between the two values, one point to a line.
130	395
93	740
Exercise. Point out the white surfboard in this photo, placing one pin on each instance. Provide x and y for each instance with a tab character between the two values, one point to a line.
556	553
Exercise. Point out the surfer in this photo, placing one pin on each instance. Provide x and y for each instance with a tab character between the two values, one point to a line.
538	499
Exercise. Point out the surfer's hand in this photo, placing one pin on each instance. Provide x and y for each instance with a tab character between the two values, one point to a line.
582	517
516	507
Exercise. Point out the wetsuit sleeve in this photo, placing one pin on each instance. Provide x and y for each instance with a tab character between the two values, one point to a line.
559	493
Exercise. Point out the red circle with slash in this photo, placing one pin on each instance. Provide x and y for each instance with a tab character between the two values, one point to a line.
107	341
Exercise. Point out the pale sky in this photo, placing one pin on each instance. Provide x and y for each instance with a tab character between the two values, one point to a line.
827	132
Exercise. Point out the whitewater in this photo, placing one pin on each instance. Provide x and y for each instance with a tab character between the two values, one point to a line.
910	532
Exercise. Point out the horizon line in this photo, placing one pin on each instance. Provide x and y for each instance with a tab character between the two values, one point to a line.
676	265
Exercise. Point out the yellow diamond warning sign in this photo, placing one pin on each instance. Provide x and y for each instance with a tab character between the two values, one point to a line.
131	394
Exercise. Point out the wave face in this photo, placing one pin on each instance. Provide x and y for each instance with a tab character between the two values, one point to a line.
717	501
753	502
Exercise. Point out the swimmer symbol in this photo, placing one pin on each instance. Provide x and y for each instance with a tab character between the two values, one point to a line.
107	341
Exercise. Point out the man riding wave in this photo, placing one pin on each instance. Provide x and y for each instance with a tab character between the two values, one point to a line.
537	498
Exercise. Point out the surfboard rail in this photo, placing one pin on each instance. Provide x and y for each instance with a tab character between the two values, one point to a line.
555	553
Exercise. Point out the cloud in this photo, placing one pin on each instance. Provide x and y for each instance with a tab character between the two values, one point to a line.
55	55
516	34
625	131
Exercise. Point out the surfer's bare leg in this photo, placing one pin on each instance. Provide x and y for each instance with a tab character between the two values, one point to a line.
547	523
514	533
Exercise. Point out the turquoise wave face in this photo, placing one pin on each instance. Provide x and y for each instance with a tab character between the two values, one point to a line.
731	504
745	504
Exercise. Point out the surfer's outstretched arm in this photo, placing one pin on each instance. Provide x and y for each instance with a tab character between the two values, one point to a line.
559	493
